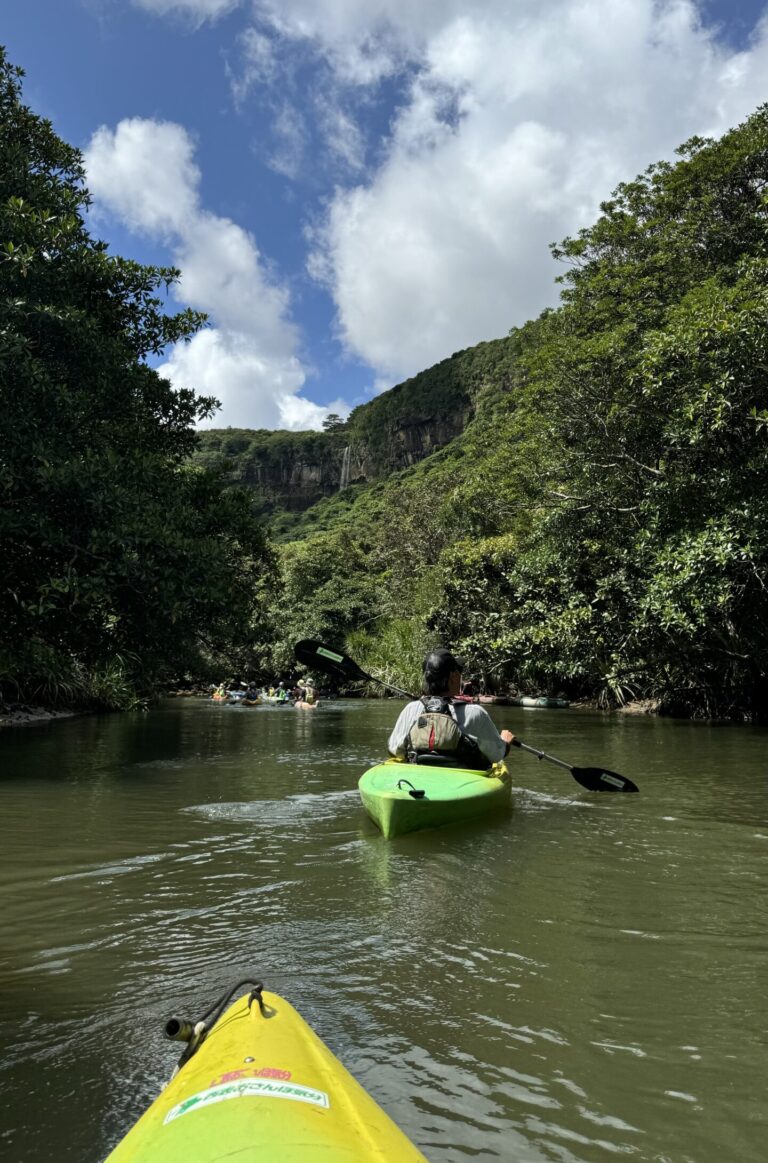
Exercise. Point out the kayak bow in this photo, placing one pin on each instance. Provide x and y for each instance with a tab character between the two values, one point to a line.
261	1087
405	797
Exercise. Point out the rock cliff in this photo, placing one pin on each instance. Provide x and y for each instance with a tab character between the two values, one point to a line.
293	470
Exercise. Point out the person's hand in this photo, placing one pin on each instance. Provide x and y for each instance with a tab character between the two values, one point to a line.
508	737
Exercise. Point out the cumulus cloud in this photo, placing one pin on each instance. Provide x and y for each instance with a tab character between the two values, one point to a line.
144	173
517	120
366	41
512	120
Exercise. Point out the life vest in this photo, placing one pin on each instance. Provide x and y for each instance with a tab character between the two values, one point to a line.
437	740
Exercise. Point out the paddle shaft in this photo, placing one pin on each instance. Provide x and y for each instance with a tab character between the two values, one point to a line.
542	754
395	689
370	678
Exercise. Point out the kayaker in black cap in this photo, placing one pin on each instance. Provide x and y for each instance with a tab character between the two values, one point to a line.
437	731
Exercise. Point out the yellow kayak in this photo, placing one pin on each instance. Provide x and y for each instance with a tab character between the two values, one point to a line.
261	1087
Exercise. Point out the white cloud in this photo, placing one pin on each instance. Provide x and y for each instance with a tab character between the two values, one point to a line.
143	172
258	64
125	173
518	120
342	135
366	40
515	119
290	130
198	10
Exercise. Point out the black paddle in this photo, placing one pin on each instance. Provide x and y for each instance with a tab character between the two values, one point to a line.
592	778
333	662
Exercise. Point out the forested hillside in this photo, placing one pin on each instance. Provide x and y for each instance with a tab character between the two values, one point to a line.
601	524
290	472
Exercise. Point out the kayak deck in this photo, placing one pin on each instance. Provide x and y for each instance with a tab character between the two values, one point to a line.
450	795
263	1087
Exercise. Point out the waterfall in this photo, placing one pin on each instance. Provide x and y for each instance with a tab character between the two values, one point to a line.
345	468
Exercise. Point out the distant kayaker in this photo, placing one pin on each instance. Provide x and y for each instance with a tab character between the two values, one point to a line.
308	692
436	730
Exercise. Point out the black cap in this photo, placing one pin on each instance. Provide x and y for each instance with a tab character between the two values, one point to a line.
442	661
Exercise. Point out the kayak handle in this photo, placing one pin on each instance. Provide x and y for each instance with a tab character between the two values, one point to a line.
416	792
179	1030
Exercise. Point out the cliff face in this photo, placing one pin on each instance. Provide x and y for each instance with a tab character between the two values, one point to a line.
292	481
405	445
294	470
293	474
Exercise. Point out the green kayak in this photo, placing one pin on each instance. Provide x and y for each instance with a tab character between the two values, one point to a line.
404	797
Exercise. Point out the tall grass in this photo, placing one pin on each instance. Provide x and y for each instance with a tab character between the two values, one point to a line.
56	679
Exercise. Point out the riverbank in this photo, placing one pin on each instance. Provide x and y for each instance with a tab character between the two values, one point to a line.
640	707
19	714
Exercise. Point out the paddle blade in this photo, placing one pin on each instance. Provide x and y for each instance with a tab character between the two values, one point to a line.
317	656
599	779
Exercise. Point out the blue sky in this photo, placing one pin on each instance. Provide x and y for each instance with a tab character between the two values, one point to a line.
354	189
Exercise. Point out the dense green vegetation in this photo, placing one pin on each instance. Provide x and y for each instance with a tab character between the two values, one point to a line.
122	561
449	389
601	524
595	521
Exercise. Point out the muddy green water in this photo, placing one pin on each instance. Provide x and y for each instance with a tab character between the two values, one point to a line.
580	979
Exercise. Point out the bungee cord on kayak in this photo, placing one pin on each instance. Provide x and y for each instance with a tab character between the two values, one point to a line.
194	1033
416	792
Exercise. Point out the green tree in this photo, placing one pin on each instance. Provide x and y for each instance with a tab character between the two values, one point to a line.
325	592
119	557
642	435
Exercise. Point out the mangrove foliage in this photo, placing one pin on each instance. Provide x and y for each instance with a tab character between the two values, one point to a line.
123	561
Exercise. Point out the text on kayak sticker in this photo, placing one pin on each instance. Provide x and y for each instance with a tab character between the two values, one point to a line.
248	1088
329	654
244	1072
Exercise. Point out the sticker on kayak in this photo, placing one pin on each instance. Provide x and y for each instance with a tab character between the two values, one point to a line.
248	1088
261	1072
329	654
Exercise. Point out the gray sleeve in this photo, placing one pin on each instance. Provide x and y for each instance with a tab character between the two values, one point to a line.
406	719
480	726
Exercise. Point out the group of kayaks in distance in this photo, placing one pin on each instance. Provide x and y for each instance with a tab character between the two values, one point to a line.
303	696
254	1081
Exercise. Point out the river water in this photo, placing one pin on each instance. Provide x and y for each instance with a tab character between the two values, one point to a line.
580	979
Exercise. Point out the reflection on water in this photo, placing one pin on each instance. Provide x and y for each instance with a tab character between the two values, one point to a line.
578	980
